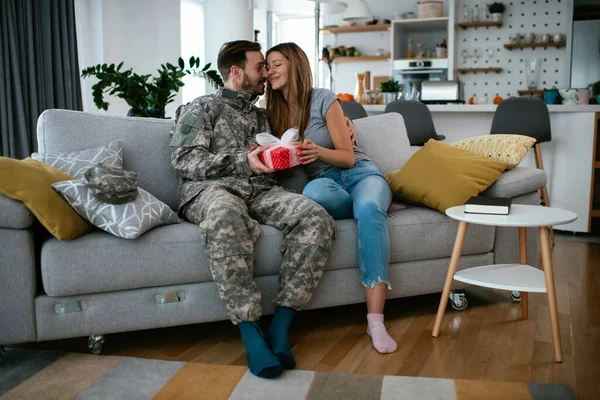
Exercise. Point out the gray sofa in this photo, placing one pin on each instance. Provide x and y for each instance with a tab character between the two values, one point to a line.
100	284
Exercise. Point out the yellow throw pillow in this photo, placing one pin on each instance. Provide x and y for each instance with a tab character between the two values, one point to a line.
509	149
441	176
29	182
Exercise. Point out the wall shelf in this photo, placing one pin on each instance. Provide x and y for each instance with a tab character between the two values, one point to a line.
533	92
475	70
340	59
357	28
511	46
465	25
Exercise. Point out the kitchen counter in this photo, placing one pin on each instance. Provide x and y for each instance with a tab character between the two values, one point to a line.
378	109
568	157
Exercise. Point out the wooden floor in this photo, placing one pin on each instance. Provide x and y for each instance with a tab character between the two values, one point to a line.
486	341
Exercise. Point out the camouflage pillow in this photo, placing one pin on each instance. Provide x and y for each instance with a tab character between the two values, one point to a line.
76	162
128	220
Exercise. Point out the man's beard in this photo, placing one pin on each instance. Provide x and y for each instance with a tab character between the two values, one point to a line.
252	86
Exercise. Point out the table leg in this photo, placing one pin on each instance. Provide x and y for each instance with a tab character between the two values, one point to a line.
458	244
549	275
523	254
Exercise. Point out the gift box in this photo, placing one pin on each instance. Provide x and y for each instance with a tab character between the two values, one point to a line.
281	153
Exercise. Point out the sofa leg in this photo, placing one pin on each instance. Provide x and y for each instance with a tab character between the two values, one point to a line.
95	343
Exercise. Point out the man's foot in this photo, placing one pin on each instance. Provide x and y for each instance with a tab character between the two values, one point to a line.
382	341
278	336
261	361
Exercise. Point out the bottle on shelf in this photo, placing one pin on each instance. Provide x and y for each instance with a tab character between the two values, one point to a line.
410	53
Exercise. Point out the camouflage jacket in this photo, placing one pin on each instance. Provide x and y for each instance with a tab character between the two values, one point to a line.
210	140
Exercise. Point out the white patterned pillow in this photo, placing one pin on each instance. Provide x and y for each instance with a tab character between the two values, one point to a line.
76	162
128	220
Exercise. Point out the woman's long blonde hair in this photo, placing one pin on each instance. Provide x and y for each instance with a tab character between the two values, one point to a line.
300	86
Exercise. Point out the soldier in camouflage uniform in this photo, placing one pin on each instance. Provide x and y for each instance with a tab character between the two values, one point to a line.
228	191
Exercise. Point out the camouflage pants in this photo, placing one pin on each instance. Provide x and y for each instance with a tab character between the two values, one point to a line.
231	227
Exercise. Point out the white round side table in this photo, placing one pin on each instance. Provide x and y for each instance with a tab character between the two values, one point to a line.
514	277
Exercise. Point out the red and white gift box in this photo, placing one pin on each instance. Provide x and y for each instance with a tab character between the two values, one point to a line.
281	153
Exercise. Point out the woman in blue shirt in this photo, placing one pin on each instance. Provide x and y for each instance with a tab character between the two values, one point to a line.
343	179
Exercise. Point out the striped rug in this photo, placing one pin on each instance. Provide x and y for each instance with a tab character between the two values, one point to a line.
29	374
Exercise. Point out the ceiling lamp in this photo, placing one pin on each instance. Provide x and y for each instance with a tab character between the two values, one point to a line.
357	10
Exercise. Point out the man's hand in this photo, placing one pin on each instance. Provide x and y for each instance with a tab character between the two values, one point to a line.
256	166
351	131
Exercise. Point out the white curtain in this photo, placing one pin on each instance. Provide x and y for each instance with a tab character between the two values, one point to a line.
192	44
88	21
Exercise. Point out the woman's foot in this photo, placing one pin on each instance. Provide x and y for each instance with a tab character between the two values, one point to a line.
261	361
382	341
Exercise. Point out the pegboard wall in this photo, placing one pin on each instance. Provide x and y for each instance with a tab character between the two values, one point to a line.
529	16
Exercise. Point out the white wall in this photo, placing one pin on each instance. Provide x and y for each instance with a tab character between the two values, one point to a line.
141	33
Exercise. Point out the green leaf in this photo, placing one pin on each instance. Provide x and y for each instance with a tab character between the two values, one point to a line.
206	67
181	63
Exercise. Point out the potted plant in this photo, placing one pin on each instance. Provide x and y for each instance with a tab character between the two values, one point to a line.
146	94
496	9
391	90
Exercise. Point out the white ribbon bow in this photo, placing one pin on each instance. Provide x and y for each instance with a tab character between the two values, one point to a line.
287	139
272	142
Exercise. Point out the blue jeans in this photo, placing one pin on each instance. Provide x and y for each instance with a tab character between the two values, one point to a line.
362	193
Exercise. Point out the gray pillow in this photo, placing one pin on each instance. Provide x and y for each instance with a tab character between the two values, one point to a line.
76	162
128	220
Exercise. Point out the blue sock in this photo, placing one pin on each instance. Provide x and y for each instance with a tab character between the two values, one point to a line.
261	361
278	336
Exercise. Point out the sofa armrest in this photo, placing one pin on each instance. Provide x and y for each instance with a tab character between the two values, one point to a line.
14	214
18	286
517	182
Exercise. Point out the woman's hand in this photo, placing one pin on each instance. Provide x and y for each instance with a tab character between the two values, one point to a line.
309	151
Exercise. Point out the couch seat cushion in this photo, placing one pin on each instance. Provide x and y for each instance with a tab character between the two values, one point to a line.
174	254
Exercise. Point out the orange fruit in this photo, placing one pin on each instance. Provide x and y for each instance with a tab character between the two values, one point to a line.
497	100
472	100
339	96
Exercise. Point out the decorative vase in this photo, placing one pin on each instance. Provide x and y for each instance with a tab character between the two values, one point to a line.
359	92
532	72
496	17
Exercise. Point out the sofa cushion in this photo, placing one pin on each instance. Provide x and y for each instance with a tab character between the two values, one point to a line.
174	254
384	139
441	176
75	163
171	254
29	181
509	149
128	220
145	145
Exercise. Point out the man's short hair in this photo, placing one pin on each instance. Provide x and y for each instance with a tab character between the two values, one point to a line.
234	53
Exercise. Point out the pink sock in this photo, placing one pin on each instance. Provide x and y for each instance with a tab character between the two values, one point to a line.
382	341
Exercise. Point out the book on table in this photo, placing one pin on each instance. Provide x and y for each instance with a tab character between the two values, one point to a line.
488	205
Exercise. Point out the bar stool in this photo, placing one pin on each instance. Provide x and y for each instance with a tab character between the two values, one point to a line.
353	110
526	116
418	121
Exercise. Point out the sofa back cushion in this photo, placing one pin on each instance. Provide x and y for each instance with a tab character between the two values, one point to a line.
384	139
145	145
